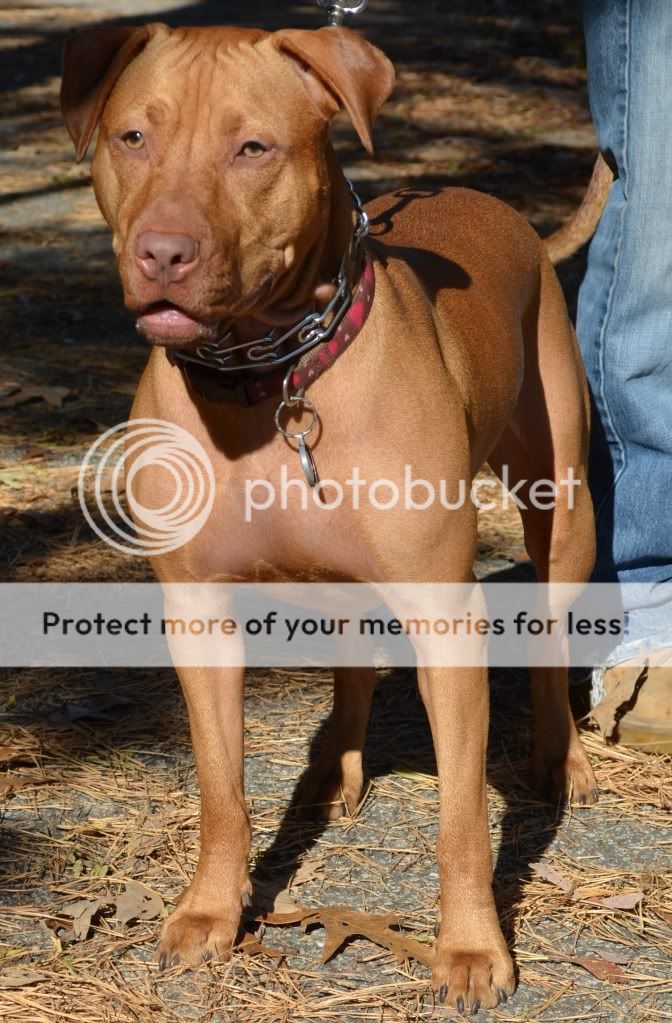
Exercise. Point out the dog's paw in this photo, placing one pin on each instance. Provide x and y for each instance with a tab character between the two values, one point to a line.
190	938
200	930
330	788
566	779
469	980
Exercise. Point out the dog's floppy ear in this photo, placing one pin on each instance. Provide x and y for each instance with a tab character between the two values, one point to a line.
92	62
351	71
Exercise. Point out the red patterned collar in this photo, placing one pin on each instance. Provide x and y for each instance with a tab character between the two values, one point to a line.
251	387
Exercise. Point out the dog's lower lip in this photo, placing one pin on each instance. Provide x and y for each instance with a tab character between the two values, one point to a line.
165	320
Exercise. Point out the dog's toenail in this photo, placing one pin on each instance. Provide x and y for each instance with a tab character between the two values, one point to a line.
207	956
443	993
175	960
460	1003
475	1007
501	995
162	961
437	928
595	794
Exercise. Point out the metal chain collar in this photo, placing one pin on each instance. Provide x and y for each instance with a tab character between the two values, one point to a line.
266	353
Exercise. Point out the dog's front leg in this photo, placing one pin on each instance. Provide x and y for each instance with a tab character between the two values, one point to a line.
472	967
206	920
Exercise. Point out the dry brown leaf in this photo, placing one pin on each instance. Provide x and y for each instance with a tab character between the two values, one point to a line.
19	976
12	783
141	847
137	902
12	754
618	955
54	396
628	900
279	908
300	915
551	875
250	945
342	923
308	871
74	920
601	968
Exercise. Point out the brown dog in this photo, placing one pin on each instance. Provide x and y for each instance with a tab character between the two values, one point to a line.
214	170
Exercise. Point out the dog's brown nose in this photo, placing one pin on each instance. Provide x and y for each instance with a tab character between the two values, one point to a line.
166	257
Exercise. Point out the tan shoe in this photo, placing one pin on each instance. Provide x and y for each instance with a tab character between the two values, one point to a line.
637	706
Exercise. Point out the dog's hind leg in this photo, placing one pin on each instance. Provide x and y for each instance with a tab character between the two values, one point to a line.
333	783
547	439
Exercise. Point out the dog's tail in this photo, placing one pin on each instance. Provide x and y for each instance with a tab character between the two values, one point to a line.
564	242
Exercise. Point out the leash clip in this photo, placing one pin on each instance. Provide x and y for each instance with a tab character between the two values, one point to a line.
289	401
339	8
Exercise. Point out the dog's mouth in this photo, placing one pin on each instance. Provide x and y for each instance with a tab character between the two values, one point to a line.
166	323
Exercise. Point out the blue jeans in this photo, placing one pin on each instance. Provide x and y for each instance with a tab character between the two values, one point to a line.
625	312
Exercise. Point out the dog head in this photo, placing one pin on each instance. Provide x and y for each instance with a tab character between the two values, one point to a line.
213	166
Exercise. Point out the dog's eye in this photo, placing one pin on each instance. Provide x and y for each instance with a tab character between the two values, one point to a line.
253	150
133	139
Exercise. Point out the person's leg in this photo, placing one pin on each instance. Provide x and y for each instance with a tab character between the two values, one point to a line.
625	312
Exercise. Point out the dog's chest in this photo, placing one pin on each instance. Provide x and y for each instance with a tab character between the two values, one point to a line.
267	522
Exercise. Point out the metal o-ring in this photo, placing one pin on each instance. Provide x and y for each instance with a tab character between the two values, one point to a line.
289	404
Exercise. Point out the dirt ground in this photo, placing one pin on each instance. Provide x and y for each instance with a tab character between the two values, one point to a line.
97	786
